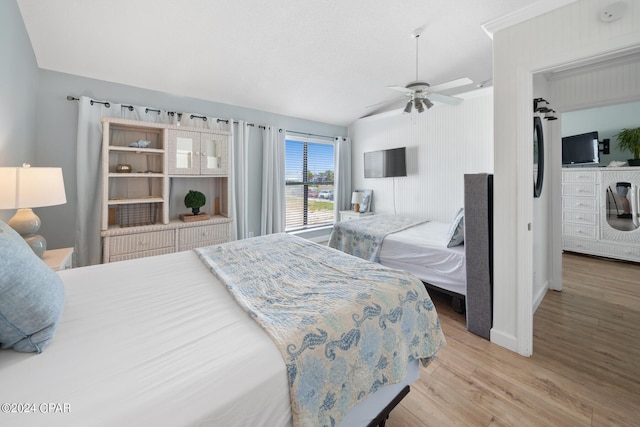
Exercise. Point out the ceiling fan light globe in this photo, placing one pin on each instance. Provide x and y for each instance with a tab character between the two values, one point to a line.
428	103
407	108
418	104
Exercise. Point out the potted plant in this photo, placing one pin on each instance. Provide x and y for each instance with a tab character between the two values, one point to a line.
194	200
629	140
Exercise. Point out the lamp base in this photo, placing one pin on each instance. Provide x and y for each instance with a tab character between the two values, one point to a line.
26	223
37	243
356	207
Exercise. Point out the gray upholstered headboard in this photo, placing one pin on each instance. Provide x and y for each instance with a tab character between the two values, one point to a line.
478	247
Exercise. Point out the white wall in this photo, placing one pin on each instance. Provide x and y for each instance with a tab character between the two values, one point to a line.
542	274
566	35
18	71
443	144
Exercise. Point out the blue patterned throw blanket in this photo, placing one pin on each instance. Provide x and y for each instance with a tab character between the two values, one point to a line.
363	237
344	326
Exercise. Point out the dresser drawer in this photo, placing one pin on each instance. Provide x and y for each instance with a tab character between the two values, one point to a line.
578	217
576	230
579	204
141	254
579	176
205	233
141	242
582	190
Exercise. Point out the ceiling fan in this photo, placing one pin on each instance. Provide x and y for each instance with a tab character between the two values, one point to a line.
421	94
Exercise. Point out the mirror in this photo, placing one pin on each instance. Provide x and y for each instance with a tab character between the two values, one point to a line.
538	156
622	206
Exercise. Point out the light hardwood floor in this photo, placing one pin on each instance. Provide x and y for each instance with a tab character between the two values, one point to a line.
585	368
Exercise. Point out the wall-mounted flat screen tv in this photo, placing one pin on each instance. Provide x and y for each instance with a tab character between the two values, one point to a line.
385	163
580	149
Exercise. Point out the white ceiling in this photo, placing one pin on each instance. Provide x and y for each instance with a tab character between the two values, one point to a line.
322	60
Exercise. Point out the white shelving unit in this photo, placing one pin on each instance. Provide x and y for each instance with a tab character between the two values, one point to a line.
141	206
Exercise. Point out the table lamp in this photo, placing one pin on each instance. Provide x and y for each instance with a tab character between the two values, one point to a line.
356	199
24	188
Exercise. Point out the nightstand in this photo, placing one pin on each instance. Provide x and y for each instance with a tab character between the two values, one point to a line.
345	215
58	259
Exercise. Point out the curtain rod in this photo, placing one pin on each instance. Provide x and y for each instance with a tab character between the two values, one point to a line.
310	134
130	108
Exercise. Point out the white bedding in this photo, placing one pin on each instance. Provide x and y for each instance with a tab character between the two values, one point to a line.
156	341
422	250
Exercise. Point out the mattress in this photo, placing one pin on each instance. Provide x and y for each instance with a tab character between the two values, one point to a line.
156	341
422	250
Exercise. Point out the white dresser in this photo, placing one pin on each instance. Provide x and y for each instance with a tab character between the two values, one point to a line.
590	208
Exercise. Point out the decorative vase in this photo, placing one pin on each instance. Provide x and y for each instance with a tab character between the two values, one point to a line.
123	168
195	211
633	162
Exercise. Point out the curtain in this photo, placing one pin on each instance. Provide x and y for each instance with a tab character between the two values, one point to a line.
273	181
88	243
239	180
342	175
88	247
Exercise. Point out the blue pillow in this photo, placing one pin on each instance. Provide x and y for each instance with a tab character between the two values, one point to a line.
31	296
456	231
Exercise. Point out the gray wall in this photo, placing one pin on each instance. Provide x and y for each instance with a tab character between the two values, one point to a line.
18	92
608	121
38	124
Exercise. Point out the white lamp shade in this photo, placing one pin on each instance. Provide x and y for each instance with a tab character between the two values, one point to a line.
356	197
28	187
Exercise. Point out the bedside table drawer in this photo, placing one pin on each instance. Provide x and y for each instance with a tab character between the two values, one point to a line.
142	242
347	215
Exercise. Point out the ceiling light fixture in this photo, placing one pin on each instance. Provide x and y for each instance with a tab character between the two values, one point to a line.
428	103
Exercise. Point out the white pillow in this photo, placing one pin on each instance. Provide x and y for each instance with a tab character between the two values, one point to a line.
456	231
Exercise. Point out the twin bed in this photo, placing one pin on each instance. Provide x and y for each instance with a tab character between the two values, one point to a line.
434	251
270	331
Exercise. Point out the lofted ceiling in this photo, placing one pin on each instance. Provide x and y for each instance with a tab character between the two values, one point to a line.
321	60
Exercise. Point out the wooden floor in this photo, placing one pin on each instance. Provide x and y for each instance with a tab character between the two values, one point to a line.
585	368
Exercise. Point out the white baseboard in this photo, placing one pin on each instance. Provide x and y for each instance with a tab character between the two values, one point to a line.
540	293
505	340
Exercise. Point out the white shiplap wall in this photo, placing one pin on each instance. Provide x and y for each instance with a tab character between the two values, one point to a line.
442	143
566	35
607	83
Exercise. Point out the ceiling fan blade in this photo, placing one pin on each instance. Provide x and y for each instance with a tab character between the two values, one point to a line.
450	85
444	99
400	88
388	101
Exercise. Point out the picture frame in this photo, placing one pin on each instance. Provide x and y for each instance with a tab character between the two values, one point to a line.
367	198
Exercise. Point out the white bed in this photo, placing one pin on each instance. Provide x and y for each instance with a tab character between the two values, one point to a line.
422	250
464	270
156	341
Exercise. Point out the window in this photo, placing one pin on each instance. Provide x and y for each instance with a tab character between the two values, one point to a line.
309	191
